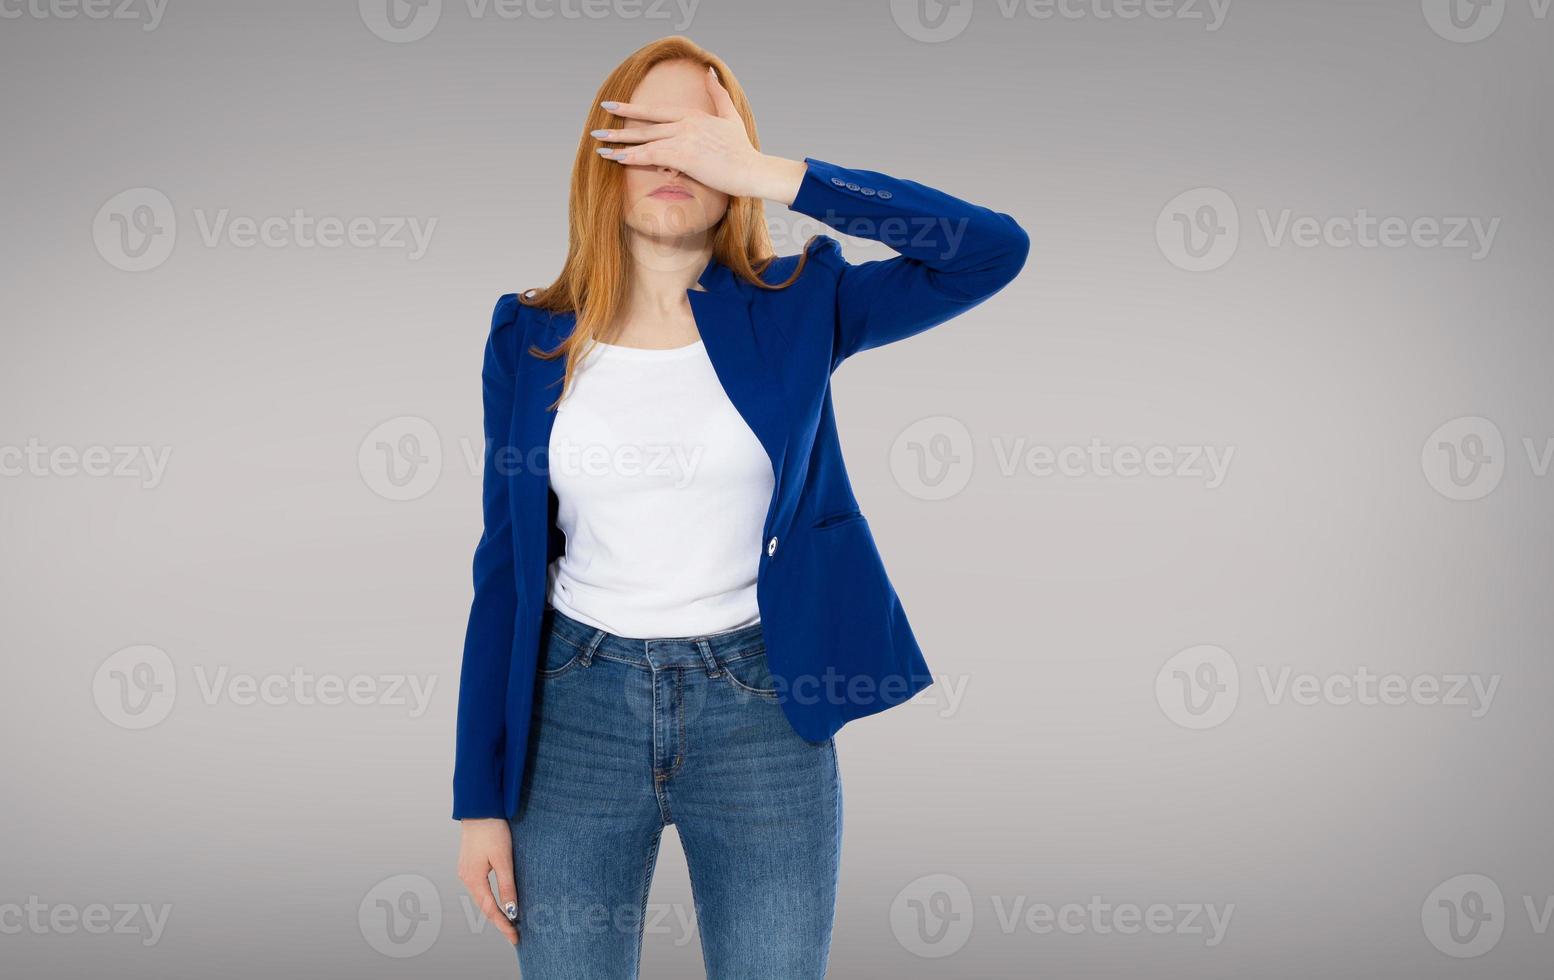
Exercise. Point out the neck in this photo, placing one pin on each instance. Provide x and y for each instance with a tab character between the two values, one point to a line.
663	270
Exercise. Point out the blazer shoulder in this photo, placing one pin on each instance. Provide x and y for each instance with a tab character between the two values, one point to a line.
821	249
508	327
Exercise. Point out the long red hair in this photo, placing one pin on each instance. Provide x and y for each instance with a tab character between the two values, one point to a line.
598	269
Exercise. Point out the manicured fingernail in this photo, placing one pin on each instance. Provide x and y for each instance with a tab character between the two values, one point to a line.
599	134
606	152
612	106
511	908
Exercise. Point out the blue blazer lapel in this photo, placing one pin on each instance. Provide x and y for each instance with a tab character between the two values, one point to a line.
749	376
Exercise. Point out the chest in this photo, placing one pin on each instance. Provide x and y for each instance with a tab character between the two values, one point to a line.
638	420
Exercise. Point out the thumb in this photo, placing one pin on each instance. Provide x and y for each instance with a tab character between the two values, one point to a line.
720	97
506	892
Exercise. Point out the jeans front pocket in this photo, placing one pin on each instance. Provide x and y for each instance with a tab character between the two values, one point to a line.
559	657
751	676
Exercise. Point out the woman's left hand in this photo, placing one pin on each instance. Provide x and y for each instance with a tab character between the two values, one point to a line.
711	149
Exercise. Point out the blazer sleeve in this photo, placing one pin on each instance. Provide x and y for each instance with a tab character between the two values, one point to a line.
488	641
952	254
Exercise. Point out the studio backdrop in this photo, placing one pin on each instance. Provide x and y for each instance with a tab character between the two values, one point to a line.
1225	528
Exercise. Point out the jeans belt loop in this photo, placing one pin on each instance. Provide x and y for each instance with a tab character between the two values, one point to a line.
713	670
593	645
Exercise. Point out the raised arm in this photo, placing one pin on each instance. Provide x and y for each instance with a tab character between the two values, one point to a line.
952	254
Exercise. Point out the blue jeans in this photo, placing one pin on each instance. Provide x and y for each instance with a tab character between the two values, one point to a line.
633	734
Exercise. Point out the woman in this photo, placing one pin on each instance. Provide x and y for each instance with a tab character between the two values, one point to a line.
677	601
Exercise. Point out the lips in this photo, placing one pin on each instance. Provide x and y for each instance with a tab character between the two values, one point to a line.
671	192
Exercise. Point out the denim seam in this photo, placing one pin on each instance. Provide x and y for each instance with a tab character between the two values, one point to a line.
679	717
658	782
565	668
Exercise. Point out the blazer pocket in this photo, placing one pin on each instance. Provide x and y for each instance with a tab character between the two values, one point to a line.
839	519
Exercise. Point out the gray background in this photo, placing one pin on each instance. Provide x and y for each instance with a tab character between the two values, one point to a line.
270	831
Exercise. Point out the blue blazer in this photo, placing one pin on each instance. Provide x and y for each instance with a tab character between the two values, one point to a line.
837	640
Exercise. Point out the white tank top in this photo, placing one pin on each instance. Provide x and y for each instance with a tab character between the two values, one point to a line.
663	492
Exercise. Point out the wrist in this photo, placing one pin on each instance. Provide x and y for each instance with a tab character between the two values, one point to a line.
778	178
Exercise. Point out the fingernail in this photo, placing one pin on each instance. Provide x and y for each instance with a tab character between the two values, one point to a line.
604	151
599	134
511	908
612	106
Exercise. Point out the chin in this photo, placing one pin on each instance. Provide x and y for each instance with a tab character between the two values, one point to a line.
672	220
